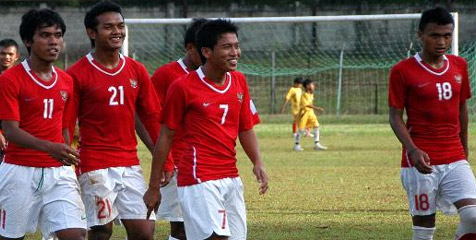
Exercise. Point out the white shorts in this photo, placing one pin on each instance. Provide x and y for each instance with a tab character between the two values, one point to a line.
44	198
446	185
111	193
169	208
214	206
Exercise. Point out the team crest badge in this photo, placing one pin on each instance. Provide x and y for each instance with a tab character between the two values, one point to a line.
458	78
240	97
64	95
133	83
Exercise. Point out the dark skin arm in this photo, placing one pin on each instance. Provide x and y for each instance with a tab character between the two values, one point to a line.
161	151
249	142
60	151
463	120
419	158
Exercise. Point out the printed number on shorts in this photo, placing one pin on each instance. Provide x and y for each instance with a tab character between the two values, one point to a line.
444	91
223	224
225	112
421	202
3	218
117	96
102	204
48	108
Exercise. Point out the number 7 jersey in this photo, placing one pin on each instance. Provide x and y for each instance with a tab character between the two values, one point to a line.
432	99
106	101
212	116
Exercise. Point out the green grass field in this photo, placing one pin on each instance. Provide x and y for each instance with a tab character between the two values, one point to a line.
351	191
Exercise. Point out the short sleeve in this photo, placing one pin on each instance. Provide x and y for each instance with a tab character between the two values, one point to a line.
465	88
247	120
161	81
69	108
290	94
175	104
9	98
396	89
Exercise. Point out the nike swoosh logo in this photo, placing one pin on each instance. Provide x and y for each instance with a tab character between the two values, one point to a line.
423	84
206	104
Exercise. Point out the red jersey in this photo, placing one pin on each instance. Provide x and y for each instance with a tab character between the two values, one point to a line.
162	78
212	117
39	107
432	100
105	102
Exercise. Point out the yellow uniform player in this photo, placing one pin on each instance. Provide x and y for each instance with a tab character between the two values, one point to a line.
294	96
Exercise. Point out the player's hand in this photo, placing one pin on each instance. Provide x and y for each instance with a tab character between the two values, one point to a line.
319	110
3	142
152	199
261	177
165	178
420	160
63	153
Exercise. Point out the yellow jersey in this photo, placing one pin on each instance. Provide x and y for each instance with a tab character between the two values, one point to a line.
294	96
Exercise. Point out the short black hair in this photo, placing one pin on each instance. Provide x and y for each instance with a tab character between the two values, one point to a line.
7	42
192	30
436	15
35	19
211	31
298	80
306	82
91	20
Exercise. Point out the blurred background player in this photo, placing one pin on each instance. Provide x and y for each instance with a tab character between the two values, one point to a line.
8	56
164	76
109	90
432	88
213	103
307	117
39	187
294	96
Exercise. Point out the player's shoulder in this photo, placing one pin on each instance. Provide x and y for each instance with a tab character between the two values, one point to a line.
13	71
404	64
132	62
78	66
63	74
453	59
166	68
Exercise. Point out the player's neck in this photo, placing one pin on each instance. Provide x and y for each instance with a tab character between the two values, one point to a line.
217	76
41	68
188	63
435	62
107	59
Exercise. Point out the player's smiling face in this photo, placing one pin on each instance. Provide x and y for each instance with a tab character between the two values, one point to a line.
111	31
47	43
226	53
8	56
436	39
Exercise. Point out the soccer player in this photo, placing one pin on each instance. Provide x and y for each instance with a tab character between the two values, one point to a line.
307	117
8	56
109	90
164	76
432	88
294	96
213	103
38	186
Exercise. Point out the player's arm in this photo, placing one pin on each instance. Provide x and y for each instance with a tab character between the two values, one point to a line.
286	100
420	159
161	151
463	120
143	134
249	142
61	152
3	142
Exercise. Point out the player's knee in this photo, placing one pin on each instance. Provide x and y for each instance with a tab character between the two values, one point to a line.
467	226
214	236
71	234
177	230
100	232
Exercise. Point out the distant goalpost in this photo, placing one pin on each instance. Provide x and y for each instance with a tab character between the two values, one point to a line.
348	56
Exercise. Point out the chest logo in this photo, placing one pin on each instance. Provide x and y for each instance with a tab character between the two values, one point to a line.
458	78
64	95
133	83
240	97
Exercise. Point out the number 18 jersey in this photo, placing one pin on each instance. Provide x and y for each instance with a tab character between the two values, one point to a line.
432	99
212	117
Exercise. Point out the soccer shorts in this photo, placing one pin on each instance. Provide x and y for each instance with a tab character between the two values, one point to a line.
169	208
308	119
33	197
113	193
214	206
447	184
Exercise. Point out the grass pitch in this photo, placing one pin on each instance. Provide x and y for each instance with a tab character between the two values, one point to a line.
351	191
